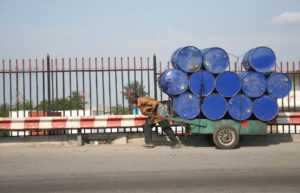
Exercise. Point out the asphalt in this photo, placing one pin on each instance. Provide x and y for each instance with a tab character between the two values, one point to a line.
132	168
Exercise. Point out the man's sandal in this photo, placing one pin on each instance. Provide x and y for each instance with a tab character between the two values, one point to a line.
177	146
147	145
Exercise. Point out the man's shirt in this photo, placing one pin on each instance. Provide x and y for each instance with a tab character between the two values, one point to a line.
147	104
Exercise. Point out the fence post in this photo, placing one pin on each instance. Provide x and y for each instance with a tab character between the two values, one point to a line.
155	76
48	83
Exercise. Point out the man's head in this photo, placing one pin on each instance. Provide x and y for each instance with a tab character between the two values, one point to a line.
133	98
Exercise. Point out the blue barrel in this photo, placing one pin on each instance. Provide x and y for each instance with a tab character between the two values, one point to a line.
260	59
202	83
215	60
214	107
279	85
240	107
228	84
173	82
187	59
254	84
187	105
265	108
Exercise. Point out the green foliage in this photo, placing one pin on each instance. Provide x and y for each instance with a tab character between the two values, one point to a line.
4	133
2	107
20	106
134	87
58	104
119	110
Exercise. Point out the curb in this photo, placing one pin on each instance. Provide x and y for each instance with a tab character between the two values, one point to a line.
138	139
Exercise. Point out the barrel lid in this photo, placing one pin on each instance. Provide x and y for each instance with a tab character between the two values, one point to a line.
228	84
187	59
202	83
215	60
173	82
279	85
262	59
187	105
214	107
240	107
254	84
265	108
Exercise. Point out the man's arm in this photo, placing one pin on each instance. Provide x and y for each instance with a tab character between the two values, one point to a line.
153	110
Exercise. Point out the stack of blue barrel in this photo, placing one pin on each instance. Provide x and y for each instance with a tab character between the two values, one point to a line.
199	84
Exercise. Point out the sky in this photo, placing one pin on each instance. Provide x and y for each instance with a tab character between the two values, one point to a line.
90	28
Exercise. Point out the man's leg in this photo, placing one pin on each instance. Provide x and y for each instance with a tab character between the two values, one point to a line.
148	131
167	129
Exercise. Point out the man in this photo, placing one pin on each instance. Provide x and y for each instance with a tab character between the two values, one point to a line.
150	107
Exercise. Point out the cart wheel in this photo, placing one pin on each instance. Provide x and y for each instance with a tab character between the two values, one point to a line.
225	137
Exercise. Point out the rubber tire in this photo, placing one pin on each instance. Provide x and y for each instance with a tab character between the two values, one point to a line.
235	137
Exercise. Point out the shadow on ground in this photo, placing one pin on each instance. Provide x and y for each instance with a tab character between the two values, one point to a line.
206	140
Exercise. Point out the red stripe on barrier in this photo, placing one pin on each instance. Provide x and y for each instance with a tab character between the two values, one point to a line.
139	120
87	122
295	118
114	121
59	123
31	123
5	124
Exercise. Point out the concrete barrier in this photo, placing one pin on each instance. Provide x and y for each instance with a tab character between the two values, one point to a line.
36	123
112	121
285	123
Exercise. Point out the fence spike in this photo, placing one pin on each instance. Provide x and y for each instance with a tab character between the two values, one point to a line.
3	62
96	63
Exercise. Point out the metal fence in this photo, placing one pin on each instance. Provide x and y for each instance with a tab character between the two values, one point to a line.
72	87
98	86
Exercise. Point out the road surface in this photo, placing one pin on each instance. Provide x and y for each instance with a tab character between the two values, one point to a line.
131	168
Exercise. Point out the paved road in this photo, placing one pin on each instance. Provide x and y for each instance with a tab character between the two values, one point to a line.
131	168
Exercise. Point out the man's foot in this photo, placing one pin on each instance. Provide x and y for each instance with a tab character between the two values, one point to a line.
149	145
177	145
